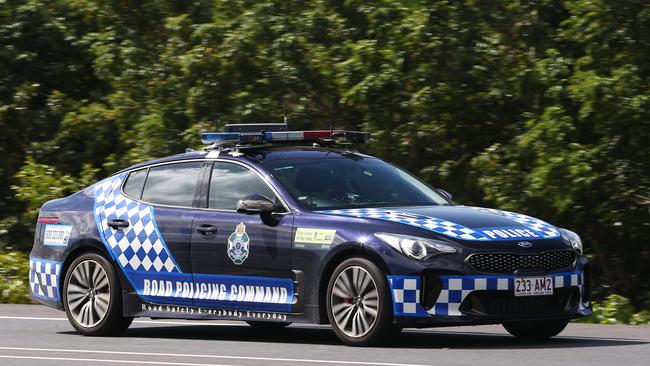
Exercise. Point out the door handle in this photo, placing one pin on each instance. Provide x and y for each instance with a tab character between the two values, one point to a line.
206	229
118	224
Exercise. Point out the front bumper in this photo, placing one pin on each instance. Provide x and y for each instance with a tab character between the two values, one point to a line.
484	299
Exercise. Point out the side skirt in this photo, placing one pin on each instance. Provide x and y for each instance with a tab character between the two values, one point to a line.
135	307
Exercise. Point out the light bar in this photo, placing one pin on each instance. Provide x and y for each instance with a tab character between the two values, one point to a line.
234	138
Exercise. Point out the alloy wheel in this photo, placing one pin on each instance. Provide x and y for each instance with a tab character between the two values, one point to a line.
88	293
355	301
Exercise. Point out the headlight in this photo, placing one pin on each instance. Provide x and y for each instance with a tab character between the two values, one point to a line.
573	239
416	247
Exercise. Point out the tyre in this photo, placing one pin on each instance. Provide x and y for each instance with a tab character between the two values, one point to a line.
92	297
268	325
359	305
536	329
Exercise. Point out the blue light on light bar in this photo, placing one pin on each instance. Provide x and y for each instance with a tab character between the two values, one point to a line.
231	137
219	137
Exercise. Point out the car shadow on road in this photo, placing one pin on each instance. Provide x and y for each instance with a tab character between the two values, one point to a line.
411	339
471	340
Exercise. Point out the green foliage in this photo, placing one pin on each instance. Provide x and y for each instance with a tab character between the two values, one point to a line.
14	278
542	107
582	161
616	309
38	183
642	317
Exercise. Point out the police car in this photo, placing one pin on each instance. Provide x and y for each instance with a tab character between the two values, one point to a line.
272	227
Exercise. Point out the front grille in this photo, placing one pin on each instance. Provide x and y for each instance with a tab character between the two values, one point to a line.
505	303
509	263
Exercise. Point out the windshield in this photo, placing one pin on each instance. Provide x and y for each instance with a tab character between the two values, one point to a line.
324	184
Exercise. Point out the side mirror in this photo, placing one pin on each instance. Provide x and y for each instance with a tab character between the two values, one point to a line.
445	194
255	204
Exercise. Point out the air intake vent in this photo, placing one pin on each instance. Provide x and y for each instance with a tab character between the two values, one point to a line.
509	263
504	303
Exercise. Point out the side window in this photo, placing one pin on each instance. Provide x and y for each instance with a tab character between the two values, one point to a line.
231	182
172	184
135	182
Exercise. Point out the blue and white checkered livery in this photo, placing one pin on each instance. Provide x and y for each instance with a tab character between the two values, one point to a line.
44	278
439	226
140	246
456	288
406	295
547	230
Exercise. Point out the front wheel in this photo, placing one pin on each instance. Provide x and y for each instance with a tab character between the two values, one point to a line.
358	303
536	329
92	297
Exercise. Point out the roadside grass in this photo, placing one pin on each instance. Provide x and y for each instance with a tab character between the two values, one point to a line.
616	309
14	278
14	289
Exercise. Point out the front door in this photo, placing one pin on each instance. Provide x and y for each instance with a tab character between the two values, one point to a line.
239	261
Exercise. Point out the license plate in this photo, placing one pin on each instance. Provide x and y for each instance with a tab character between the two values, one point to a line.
533	286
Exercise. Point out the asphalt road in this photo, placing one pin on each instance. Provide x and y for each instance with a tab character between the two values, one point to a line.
36	335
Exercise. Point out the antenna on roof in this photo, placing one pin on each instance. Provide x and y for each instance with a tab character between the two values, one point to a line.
284	112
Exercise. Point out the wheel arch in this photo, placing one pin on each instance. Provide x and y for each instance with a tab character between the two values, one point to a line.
353	250
82	247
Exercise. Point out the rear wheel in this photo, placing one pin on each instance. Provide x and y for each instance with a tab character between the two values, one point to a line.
358	303
536	329
92	297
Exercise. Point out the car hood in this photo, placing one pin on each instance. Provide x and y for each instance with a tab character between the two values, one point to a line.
461	222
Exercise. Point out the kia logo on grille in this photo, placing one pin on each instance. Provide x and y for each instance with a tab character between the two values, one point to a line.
525	244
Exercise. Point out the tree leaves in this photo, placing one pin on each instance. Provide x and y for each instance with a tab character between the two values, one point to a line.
540	107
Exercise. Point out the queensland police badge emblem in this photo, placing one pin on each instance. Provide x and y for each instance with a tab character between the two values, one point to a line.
238	244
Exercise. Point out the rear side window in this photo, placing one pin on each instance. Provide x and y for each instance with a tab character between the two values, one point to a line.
135	182
231	182
172	184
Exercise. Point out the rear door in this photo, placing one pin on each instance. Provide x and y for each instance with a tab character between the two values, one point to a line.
239	261
147	225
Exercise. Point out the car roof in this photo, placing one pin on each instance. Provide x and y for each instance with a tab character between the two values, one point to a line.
184	156
262	153
300	152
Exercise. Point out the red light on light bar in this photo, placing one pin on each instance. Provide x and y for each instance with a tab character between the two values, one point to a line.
321	134
48	220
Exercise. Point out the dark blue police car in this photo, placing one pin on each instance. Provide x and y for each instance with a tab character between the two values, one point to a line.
261	228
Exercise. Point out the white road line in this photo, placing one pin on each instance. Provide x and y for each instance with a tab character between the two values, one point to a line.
29	318
203	356
198	322
108	361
